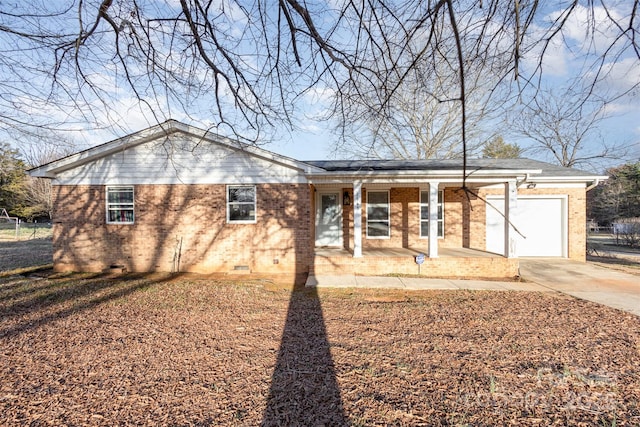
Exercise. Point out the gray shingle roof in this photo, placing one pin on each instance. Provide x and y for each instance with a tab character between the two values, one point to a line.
443	165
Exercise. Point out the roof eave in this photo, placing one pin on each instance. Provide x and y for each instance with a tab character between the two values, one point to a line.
52	169
567	179
425	174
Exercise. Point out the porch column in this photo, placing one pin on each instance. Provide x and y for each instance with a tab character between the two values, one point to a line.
510	201
433	219
357	219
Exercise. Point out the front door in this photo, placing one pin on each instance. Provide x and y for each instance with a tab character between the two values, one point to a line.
328	220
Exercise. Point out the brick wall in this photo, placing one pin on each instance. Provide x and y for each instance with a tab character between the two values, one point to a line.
184	227
184	224
405	220
464	220
459	267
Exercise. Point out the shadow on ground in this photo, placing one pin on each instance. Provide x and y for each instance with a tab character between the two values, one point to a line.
304	389
24	307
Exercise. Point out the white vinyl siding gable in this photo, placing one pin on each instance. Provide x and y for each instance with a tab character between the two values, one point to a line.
181	160
120	205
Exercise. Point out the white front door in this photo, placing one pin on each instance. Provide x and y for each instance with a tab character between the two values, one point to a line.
328	219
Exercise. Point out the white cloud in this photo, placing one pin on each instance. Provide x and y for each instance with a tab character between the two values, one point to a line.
622	76
589	29
555	59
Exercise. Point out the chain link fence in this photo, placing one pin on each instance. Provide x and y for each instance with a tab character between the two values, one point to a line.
14	229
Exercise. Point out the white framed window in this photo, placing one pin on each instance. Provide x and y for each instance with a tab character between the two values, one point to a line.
378	215
424	214
241	204
120	205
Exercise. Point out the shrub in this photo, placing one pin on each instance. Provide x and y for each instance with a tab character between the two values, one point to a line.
627	231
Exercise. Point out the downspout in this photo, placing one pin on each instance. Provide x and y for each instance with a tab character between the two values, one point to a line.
593	185
525	180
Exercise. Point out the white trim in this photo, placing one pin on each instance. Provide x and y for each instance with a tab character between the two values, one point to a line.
583	178
378	186
427	174
510	204
163	130
357	219
522	186
408	181
107	203
388	236
255	204
241	180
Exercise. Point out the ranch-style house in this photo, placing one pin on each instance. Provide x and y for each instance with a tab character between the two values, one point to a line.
177	198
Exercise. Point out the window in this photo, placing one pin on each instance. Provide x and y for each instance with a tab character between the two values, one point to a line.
378	224
424	214
241	204
120	205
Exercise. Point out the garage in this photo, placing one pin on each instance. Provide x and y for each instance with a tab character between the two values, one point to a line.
540	220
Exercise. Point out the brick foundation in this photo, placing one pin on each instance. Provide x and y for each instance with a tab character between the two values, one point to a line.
461	267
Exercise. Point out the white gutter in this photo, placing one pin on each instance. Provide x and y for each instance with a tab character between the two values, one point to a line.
593	185
427	174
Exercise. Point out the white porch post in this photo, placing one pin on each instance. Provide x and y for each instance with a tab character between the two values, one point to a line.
433	219
510	202
357	219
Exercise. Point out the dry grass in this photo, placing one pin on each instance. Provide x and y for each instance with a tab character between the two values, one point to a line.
27	231
24	253
157	350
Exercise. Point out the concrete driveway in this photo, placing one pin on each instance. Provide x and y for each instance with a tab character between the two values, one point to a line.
586	281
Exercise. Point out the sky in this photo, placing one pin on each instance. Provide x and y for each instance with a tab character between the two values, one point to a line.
313	138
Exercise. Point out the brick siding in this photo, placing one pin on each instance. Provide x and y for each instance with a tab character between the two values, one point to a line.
464	221
451	267
185	225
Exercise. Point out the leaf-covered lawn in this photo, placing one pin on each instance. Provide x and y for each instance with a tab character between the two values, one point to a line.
154	350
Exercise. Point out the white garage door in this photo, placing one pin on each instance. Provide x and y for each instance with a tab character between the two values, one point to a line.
541	220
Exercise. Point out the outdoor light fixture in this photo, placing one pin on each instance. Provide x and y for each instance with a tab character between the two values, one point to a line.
346	199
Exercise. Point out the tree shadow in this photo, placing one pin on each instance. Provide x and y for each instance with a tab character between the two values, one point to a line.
304	388
65	298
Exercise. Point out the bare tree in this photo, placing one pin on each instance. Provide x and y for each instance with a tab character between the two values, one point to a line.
565	128
46	147
245	65
420	120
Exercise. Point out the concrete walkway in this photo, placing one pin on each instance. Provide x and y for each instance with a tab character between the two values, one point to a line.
414	283
586	281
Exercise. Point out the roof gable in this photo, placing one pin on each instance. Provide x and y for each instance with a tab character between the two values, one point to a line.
173	152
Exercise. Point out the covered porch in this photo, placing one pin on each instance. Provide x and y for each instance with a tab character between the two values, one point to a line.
357	233
381	217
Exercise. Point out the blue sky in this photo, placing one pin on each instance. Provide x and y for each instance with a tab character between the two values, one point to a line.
572	54
314	139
